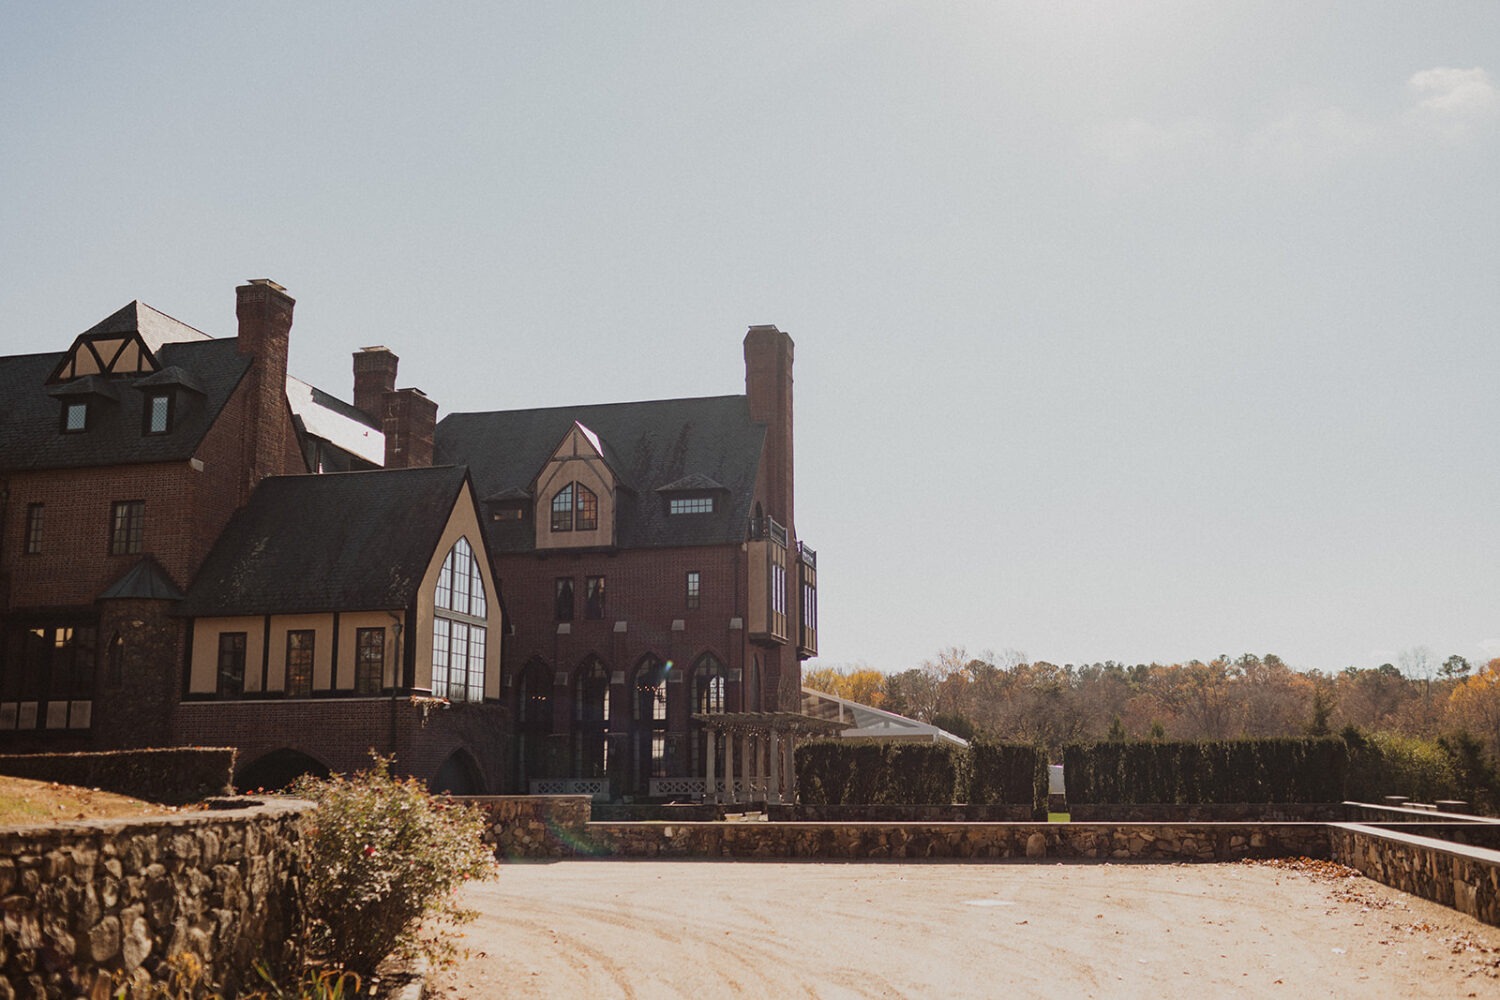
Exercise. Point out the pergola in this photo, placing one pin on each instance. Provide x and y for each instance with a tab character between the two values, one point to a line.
766	744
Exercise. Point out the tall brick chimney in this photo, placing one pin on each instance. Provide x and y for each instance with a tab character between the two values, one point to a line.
264	310
374	376
768	388
409	420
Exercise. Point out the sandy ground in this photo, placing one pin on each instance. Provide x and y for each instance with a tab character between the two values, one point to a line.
584	929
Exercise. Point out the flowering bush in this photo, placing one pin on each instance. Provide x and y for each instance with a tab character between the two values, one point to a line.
383	854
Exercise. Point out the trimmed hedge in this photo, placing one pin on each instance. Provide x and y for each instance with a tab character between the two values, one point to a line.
1009	773
1276	770
872	772
172	777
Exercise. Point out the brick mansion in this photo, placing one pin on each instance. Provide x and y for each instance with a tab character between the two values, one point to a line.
197	547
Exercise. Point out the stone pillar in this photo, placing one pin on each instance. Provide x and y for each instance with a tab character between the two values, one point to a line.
747	762
773	771
729	795
789	762
710	737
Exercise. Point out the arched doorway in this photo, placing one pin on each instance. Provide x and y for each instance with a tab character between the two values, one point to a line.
710	686
459	775
274	771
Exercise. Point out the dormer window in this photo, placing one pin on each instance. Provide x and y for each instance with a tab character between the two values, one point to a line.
575	507
75	416
158	412
690	505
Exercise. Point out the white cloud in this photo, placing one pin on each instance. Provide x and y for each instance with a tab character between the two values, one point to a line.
1452	102
1448	104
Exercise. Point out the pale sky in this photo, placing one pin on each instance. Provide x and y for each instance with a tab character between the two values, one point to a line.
1144	331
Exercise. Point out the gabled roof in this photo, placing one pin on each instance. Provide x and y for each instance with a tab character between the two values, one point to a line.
693	483
648	444
30	416
340	541
155	327
335	421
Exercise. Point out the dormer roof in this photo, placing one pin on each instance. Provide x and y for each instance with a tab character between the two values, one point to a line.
647	444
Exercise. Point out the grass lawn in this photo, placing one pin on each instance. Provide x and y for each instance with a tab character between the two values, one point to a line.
1059	818
24	802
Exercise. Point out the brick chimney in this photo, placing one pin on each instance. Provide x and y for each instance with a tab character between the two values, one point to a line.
264	310
374	376
409	419
768	389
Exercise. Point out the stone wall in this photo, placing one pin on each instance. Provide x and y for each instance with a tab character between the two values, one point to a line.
556	826
963	813
1205	812
87	903
1463	877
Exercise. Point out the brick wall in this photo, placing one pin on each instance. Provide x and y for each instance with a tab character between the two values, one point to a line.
339	733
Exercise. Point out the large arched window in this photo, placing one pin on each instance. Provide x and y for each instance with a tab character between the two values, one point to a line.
459	627
591	720
709	683
650	710
575	507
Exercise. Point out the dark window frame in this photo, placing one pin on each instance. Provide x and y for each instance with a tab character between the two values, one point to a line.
369	653
562	599
679	506
594	592
305	662
562	509
70	407
127	527
231	645
148	415
693	589
35	518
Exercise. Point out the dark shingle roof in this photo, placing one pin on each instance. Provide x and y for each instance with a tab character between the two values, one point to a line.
146	580
341	541
648	444
31	423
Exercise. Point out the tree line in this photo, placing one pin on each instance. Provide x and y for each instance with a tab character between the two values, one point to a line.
1011	698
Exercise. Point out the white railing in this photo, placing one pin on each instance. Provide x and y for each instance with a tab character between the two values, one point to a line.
752	790
597	788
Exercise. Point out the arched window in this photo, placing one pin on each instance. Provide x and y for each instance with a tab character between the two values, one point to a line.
459	627
575	507
591	718
650	708
709	682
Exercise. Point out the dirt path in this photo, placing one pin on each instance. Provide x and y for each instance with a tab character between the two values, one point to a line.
708	930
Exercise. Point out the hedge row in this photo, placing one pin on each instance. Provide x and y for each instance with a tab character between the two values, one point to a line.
1276	770
871	772
174	777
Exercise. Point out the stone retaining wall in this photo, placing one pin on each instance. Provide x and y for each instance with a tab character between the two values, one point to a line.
1205	812
555	826
987	813
85	903
1463	877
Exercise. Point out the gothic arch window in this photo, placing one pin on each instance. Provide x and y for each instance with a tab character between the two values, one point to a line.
460	627
575	507
591	720
709	685
649	702
533	720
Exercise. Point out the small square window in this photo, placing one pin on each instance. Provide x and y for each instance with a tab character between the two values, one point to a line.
75	417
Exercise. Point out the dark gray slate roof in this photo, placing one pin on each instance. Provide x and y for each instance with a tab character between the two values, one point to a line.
31	434
648	444
146	580
340	541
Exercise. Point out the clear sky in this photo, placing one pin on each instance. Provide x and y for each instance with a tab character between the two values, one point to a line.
1124	330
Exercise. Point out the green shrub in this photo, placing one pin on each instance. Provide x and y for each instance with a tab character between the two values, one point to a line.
1384	764
382	855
